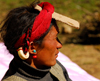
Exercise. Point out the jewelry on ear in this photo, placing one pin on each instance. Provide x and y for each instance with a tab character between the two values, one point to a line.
22	55
34	56
34	51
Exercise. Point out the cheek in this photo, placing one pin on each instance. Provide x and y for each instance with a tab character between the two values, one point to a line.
51	46
49	50
46	56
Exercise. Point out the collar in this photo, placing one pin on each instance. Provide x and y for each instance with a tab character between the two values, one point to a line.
27	70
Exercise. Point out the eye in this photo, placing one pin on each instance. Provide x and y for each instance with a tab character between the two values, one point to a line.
57	38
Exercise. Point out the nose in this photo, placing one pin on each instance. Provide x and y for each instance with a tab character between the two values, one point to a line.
59	44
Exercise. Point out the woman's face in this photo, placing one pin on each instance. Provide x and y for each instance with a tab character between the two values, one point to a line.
48	51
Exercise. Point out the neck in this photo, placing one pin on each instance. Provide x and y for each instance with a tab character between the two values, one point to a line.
32	63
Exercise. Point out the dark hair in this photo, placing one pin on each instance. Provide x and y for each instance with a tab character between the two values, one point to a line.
17	23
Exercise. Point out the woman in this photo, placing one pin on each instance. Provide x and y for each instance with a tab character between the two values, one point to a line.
31	36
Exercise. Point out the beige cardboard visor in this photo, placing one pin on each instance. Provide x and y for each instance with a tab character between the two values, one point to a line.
62	18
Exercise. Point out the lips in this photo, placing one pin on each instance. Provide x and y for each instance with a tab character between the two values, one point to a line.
57	52
56	55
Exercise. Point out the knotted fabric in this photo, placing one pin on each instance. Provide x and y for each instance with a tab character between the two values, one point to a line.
40	25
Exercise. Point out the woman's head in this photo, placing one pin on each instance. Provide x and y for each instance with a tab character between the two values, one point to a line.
27	26
48	51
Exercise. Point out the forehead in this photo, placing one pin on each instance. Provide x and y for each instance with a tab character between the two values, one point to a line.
52	33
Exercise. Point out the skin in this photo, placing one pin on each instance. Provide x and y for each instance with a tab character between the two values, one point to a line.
47	52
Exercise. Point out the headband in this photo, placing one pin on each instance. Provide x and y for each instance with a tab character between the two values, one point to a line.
62	18
40	25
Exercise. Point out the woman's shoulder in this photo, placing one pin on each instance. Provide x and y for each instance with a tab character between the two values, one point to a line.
14	78
62	70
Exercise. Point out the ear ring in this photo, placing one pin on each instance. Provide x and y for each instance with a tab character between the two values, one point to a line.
34	51
22	55
34	56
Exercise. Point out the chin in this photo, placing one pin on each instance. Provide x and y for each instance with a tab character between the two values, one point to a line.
53	63
50	63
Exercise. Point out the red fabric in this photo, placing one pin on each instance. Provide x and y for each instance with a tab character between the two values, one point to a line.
40	25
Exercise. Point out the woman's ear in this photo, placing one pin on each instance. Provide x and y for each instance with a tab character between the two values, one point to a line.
32	48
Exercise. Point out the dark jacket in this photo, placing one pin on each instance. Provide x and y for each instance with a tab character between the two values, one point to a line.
21	71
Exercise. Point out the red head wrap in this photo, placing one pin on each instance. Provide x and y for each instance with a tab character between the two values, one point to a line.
40	25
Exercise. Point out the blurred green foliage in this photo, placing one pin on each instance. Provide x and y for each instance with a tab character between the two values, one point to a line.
71	8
